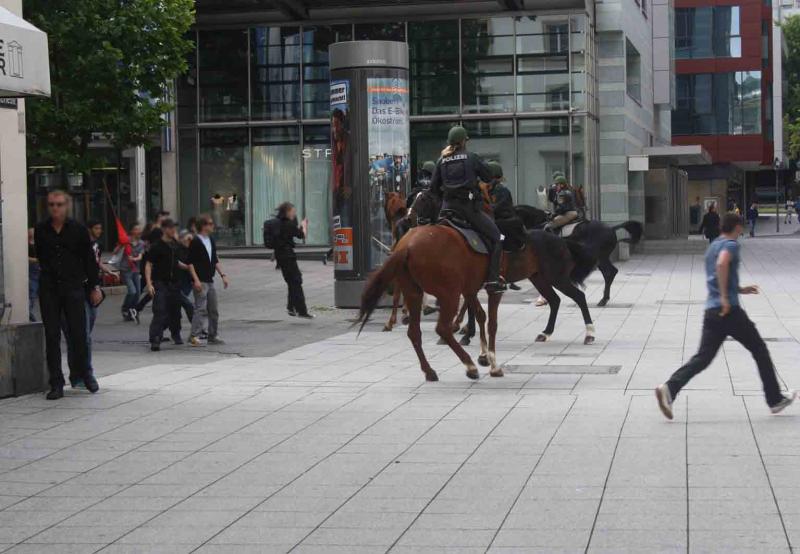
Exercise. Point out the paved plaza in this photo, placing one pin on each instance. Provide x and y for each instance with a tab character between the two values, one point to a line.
322	442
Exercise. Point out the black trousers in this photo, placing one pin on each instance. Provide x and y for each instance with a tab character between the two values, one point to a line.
294	279
485	225
514	231
59	302
715	330
166	311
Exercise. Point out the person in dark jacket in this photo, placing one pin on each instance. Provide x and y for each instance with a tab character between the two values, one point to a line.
455	181
423	182
752	217
69	273
502	205
286	259
709	227
162	274
203	265
187	302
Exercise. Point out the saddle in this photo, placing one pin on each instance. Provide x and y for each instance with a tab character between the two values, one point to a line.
474	239
566	230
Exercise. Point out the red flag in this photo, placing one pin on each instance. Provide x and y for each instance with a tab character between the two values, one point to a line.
125	241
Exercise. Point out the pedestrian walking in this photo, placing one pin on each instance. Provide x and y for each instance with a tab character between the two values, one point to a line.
151	235
162	277
69	273
33	277
725	317
187	300
709	226
130	271
789	211
203	265
286	258
752	217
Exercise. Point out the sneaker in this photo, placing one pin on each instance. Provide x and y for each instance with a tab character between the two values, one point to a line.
291	313
195	341
783	403
155	347
215	340
177	340
203	335
664	398
76	383
91	384
514	286
126	316
305	316
134	313
55	393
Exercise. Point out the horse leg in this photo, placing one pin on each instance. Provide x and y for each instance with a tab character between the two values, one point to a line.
459	318
395	302
580	299
545	288
469	328
609	272
480	317
494	304
414	302
444	327
427	309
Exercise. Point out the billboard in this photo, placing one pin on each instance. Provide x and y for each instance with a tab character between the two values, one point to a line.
341	175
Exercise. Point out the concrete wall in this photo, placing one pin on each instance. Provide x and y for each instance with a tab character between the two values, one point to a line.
14	203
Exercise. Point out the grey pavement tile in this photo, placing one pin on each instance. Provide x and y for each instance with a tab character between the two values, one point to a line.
353	537
97	533
447	537
750	539
652	540
148	549
247	535
186	534
550	538
61	548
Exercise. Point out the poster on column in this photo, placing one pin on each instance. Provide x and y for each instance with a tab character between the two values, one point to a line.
388	136
341	176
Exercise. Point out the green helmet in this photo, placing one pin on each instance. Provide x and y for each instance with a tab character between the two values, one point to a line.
456	135
495	169
557	173
429	166
560	180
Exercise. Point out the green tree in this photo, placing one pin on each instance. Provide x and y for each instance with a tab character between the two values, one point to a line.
110	64
791	95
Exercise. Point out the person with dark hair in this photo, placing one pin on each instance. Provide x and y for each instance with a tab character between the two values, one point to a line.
709	226
69	274
725	317
203	265
286	259
752	217
162	273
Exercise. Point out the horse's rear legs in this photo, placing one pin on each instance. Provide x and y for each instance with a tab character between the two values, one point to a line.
414	303
444	327
609	272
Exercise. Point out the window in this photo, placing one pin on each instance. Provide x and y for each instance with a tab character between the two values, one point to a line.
316	73
275	72
633	71
187	89
543	149
543	64
433	50
381	31
223	174
487	47
708	32
718	104
222	67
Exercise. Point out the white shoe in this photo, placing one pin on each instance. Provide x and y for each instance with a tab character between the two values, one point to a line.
541	301
784	403
664	398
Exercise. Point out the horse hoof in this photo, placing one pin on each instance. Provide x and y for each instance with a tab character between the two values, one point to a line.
602	303
428	310
465	340
542	338
405	320
588	340
483	360
473	374
386	328
440	342
431	376
496	372
463	330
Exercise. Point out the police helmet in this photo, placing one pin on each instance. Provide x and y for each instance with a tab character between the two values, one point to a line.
557	173
495	169
429	166
560	180
457	135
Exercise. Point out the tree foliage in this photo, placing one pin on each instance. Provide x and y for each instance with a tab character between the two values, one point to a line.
791	95
110	61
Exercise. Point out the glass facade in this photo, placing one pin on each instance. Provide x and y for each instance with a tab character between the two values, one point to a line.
253	110
718	104
708	32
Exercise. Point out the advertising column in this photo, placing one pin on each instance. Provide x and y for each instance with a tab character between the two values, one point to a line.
370	156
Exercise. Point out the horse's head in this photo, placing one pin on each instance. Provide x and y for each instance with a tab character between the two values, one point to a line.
426	206
394	207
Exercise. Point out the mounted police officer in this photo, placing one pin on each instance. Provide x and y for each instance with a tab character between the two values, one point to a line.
565	211
455	180
505	217
423	182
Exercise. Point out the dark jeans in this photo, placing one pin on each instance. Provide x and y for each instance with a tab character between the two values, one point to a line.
166	311
294	279
72	361
57	301
752	227
484	225
715	330
133	281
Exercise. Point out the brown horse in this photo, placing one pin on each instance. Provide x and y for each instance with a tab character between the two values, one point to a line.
434	259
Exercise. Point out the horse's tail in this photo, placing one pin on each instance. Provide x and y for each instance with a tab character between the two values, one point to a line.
377	284
584	262
634	229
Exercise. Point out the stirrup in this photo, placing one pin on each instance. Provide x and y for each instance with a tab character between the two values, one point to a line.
493	287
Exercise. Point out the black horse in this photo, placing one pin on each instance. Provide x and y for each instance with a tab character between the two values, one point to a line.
598	239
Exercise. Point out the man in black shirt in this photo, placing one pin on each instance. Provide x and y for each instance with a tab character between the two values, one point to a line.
162	274
286	258
203	265
68	273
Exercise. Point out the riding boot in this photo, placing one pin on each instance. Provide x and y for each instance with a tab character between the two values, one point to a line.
493	282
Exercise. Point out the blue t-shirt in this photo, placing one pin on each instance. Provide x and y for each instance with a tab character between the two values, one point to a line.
714	299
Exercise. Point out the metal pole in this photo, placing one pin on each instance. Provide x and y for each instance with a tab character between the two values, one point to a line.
777	202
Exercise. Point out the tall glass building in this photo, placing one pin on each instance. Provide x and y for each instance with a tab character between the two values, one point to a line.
252	116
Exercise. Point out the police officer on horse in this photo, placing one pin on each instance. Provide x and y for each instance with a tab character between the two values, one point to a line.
455	181
423	182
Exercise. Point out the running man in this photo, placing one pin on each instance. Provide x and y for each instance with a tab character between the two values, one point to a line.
725	317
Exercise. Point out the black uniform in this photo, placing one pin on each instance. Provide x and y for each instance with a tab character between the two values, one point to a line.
68	270
165	275
423	184
287	262
568	205
506	218
455	181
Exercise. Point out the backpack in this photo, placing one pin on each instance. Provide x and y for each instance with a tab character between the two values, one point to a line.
272	229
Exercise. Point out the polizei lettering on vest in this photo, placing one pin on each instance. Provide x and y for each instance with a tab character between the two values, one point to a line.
454	158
